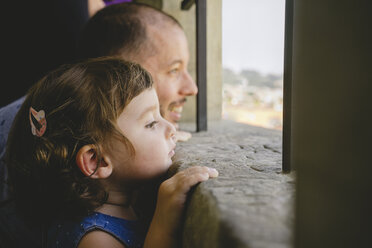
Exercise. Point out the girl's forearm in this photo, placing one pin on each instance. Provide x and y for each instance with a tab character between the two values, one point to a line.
158	237
165	225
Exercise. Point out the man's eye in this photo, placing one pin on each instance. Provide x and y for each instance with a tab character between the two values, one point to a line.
151	125
174	71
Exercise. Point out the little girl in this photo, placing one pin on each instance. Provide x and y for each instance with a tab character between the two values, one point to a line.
86	139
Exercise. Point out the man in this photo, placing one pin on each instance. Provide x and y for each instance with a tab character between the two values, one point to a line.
139	33
134	32
37	36
153	39
42	36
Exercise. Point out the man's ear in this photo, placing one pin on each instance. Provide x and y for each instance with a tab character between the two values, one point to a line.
86	160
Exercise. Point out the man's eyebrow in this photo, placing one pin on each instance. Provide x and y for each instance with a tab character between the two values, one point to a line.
175	62
148	109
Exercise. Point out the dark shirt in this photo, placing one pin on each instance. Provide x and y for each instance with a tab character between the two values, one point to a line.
14	232
36	36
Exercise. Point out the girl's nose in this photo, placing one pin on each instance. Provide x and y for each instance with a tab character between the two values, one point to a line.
170	130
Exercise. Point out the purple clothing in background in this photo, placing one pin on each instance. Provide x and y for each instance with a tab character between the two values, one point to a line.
108	2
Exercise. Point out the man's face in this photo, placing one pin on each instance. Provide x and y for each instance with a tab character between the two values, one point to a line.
168	67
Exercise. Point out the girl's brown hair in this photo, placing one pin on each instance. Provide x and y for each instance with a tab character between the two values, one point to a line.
82	103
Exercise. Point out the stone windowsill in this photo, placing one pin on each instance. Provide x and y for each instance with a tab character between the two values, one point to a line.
250	204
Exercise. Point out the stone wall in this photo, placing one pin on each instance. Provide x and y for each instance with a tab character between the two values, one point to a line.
250	203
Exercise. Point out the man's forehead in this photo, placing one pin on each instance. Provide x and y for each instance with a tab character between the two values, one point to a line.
163	33
170	44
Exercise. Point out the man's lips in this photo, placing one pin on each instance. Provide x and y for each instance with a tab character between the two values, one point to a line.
176	109
177	104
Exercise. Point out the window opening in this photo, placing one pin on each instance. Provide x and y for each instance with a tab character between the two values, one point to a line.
252	55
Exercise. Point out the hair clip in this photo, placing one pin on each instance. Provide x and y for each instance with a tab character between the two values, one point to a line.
38	122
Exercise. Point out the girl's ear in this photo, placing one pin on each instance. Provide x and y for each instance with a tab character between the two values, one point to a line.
86	160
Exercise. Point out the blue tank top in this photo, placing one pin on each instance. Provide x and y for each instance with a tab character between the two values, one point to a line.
68	234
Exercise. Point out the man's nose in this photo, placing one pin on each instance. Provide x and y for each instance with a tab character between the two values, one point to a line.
188	86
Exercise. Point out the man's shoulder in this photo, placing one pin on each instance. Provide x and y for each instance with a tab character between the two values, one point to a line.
9	111
7	114
11	107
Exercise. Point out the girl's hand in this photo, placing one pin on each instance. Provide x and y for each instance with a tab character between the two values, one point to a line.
170	205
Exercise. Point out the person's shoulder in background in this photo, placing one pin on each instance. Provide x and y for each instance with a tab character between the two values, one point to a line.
7	114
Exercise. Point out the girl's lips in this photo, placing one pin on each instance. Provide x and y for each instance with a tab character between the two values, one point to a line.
171	153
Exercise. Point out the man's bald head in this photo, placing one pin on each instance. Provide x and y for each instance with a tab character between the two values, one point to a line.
123	30
150	37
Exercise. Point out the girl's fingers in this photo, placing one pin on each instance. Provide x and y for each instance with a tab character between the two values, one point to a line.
185	179
173	192
200	169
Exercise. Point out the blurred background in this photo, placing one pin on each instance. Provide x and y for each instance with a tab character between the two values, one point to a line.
252	59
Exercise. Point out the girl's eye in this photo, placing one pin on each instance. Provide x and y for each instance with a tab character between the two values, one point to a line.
151	125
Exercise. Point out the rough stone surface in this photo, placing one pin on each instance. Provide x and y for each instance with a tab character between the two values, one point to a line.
250	204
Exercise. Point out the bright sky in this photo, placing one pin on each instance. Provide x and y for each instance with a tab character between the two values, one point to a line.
253	35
